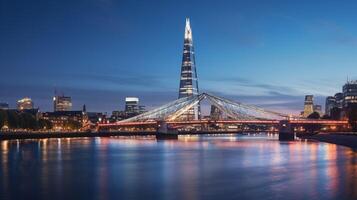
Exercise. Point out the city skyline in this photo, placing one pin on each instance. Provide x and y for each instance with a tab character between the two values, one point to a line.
115	53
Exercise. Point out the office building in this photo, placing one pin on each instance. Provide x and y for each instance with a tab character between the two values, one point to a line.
24	104
349	93
62	103
132	105
65	120
339	100
318	109
308	105
216	114
330	103
118	116
188	79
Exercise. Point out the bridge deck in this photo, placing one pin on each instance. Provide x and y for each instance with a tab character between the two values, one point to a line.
267	122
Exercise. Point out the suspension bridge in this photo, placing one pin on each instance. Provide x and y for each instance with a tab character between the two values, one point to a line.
239	117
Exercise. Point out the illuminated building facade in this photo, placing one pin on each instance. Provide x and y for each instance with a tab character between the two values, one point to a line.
349	93
24	104
188	79
118	115
308	105
62	103
131	105
343	100
65	120
132	108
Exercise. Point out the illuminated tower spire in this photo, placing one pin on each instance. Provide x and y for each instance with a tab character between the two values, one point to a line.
188	79
188	32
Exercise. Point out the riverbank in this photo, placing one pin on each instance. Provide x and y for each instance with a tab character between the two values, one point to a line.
348	140
41	135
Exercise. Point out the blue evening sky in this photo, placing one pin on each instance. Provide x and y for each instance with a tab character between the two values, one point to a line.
267	53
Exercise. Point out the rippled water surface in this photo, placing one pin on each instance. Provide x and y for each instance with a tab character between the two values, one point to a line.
192	167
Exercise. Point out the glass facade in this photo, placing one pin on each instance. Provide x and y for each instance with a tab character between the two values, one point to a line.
308	105
339	99
131	105
329	104
349	93
188	79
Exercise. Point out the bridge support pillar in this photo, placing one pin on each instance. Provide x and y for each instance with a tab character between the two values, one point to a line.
165	132
286	131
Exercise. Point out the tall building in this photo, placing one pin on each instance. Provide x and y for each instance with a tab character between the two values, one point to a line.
339	100
142	109
131	105
188	79
216	114
62	103
318	109
349	93
25	104
4	106
308	105
330	103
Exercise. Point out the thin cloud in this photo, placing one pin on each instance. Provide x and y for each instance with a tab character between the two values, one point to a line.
254	86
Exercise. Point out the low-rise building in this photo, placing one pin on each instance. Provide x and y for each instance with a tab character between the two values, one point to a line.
65	120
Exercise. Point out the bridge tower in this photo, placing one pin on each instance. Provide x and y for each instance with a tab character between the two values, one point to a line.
188	78
286	131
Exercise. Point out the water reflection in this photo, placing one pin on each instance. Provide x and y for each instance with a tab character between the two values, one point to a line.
206	167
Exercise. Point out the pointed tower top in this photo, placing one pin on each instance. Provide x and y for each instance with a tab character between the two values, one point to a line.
188	32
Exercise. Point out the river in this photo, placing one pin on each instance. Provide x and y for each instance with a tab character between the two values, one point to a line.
255	166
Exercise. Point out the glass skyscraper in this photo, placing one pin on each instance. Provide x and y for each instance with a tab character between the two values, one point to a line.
132	105
349	93
188	79
308	105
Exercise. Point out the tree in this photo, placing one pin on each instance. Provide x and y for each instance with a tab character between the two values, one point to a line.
314	115
27	121
13	119
352	116
44	124
3	117
325	116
